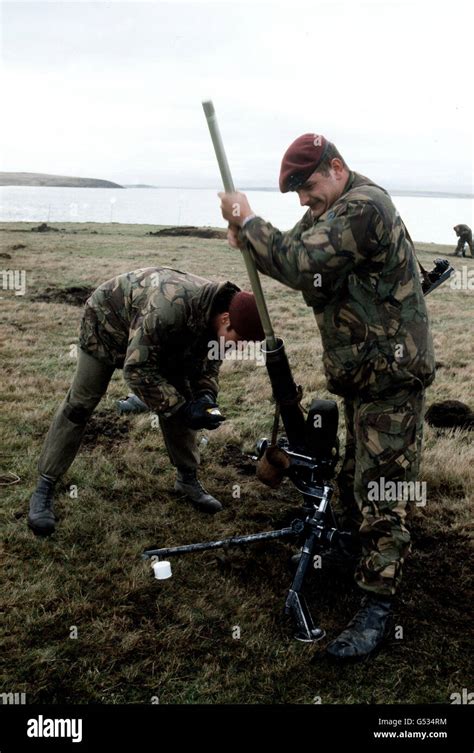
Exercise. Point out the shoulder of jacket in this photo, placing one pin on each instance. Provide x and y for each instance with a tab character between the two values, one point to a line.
374	197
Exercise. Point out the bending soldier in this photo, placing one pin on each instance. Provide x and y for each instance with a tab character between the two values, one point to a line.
156	324
464	234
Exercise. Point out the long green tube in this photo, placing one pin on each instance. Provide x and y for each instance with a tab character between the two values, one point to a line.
252	272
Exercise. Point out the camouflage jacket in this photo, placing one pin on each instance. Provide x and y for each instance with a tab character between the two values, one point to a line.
154	323
356	268
463	231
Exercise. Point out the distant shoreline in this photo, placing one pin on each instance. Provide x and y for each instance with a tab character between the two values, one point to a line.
44	180
392	192
60	181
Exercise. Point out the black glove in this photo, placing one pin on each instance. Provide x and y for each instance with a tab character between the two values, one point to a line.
202	413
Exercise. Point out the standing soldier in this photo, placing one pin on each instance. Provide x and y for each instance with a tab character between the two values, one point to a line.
464	234
157	324
353	260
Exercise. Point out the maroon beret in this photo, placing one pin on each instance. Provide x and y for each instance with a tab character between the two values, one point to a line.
301	160
244	317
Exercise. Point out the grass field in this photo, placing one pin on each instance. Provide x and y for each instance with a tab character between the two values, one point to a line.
143	641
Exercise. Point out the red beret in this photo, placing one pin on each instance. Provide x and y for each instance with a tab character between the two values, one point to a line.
244	317
300	160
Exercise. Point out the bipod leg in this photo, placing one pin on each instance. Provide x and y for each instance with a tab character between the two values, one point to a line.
296	605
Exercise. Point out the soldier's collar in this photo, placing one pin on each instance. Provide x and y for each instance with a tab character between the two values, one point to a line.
350	181
200	308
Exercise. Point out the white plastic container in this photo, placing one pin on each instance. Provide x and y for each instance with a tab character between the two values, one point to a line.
162	570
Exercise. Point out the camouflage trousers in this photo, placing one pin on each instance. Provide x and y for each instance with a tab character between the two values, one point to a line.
383	448
461	247
88	386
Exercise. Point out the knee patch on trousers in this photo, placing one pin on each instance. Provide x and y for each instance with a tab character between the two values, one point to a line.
77	414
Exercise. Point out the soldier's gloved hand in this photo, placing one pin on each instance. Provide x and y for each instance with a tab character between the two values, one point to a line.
201	414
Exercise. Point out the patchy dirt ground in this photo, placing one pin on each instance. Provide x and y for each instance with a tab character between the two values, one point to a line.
139	638
105	428
190	231
233	456
44	228
450	414
75	295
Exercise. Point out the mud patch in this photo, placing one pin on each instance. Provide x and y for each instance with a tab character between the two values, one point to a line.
104	428
450	414
76	295
44	228
448	489
191	231
233	456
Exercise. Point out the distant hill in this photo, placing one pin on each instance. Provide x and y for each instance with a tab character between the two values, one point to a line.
41	179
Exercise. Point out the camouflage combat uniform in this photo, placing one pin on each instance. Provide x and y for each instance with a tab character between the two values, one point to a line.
356	268
154	324
464	234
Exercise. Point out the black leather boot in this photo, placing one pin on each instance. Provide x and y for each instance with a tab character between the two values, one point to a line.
365	631
188	483
41	518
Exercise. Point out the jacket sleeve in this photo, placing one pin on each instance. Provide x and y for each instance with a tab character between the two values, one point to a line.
209	377
141	368
316	259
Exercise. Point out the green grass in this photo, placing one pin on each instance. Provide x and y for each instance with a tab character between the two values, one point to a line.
139	638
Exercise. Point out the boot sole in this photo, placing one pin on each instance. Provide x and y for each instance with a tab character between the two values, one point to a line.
357	659
363	657
199	508
196	505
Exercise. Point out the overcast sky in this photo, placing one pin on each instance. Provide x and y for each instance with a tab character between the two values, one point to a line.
113	89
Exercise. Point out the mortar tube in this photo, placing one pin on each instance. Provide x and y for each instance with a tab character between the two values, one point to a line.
285	393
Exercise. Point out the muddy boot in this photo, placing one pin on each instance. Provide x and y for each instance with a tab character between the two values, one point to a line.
187	483
41	518
365	631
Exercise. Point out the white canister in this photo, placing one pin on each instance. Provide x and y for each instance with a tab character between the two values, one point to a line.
162	570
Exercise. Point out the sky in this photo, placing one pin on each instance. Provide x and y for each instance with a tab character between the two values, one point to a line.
113	90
